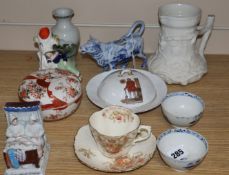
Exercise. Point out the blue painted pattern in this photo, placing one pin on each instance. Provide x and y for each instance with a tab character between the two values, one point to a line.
109	55
22	107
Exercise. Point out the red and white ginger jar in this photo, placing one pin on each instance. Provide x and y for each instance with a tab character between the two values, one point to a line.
59	92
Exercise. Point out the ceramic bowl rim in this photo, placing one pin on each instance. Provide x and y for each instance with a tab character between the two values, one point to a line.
117	136
187	94
174	5
186	131
63	12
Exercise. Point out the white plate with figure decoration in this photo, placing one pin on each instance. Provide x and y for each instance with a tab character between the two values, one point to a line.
135	89
87	152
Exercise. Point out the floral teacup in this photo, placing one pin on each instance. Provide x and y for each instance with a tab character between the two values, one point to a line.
116	129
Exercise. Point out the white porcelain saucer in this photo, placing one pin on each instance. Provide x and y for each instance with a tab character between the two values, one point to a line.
159	85
87	152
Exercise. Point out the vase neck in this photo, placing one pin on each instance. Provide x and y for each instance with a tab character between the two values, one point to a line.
63	22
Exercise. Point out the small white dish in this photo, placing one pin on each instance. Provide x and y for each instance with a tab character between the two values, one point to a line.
87	152
153	90
182	109
182	149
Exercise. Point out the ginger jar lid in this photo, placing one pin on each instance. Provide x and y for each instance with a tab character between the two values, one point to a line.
54	88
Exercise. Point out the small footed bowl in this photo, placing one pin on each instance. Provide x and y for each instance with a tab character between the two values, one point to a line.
182	109
182	149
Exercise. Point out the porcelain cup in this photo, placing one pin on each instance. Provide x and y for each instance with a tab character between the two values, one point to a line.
116	130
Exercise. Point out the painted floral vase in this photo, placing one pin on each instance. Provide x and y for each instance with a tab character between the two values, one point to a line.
68	34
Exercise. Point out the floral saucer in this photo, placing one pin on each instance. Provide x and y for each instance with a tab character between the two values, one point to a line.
87	152
137	89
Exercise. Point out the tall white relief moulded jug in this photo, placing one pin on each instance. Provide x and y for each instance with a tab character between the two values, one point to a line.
179	58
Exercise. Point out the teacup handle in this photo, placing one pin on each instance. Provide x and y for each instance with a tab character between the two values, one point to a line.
144	133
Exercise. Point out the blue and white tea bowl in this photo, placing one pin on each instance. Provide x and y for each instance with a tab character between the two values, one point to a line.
182	109
182	149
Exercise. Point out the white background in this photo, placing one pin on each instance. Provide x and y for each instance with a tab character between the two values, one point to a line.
21	19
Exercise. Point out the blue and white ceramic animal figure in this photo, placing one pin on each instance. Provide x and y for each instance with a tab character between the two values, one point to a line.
109	55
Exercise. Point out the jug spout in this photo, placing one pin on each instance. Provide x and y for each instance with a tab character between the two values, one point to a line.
205	32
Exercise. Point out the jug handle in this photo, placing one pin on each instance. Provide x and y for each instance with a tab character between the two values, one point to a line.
205	32
140	25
